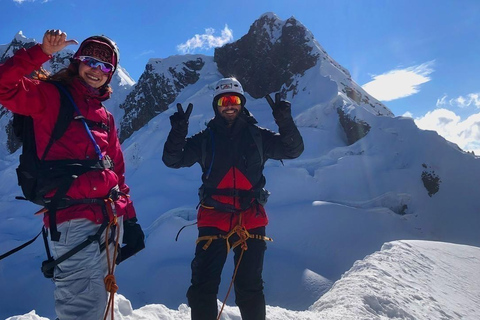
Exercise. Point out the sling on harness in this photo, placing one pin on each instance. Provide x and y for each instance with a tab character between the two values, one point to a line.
239	230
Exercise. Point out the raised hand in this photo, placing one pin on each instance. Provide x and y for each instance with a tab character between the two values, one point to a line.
54	41
281	109
179	120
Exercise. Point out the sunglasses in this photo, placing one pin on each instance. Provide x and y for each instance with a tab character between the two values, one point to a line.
94	63
229	101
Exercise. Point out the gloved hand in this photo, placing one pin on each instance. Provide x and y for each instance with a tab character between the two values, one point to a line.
133	239
281	110
179	120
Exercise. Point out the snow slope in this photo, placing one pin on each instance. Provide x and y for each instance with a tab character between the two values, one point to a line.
419	280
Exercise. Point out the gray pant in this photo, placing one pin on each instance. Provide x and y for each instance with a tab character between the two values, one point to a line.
79	288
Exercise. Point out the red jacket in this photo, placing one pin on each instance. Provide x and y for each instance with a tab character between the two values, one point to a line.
41	101
231	162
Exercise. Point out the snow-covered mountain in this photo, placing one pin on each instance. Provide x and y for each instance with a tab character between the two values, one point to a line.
366	178
273	56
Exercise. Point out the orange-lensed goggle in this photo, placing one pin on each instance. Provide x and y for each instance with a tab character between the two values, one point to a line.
225	101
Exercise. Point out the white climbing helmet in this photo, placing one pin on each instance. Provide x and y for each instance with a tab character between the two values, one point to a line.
228	85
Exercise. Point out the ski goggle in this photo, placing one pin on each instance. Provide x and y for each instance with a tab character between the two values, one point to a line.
229	101
94	63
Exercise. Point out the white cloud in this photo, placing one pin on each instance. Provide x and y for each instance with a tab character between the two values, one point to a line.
206	41
471	99
399	83
466	133
22	1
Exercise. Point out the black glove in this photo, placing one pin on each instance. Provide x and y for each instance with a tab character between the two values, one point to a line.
133	240
179	120
281	110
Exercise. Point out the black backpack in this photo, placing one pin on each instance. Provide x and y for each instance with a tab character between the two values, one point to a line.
31	172
37	176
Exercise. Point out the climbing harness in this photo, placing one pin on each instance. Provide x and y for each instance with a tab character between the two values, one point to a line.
243	234
49	265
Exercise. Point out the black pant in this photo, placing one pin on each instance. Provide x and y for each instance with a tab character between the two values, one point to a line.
207	268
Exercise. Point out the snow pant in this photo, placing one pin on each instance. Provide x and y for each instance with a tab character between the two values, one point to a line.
79	281
207	267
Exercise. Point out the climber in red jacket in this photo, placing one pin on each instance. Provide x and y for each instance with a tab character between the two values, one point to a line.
95	198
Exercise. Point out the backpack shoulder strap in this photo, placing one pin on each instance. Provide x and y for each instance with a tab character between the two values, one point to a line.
205	136
257	138
65	116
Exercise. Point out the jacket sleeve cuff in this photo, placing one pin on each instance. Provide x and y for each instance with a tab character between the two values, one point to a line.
38	56
129	211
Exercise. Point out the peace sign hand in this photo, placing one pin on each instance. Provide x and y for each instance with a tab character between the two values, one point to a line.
54	41
281	109
179	120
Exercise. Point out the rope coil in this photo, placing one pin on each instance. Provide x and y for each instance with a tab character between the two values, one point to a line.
110	282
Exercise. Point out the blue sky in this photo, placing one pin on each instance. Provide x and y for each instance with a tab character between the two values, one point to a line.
418	57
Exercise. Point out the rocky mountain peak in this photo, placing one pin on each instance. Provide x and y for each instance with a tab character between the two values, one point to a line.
18	42
157	88
268	56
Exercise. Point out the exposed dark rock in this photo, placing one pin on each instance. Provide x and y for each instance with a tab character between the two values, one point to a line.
13	143
262	63
154	92
354	129
431	181
13	47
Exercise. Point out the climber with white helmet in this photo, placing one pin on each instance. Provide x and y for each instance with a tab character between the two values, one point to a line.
232	151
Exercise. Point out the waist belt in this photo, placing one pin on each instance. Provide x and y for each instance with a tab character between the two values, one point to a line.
246	198
53	204
66	171
113	196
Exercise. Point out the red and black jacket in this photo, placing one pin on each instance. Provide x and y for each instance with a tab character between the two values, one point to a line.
232	166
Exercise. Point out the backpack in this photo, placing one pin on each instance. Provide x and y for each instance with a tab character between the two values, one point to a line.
37	176
30	172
